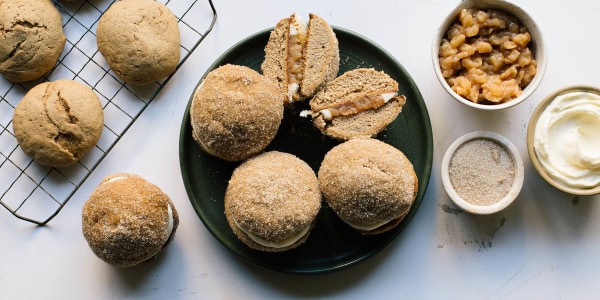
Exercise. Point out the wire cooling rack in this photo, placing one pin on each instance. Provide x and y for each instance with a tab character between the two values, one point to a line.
36	193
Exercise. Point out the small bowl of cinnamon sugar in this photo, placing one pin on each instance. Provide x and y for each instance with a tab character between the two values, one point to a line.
482	172
489	54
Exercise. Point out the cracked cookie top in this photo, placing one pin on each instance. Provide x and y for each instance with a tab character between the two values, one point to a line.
56	123
140	40
31	38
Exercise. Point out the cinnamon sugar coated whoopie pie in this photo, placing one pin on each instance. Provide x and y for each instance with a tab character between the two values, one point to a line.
128	220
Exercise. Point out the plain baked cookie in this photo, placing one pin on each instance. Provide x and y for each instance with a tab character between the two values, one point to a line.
272	201
128	220
140	40
235	112
31	38
56	123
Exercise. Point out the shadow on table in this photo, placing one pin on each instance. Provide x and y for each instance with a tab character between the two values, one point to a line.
322	284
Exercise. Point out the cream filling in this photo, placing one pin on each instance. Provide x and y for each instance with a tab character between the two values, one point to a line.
170	222
279	244
368	227
197	89
115	179
293	89
567	139
196	128
295	59
332	112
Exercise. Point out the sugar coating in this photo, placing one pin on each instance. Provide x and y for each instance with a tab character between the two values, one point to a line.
481	171
126	221
235	112
273	195
366	181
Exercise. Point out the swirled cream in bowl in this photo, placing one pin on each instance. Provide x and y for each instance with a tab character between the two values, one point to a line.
563	140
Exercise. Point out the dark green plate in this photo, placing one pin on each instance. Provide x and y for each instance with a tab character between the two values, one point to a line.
332	245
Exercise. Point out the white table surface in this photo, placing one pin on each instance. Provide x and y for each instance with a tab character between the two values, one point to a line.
544	246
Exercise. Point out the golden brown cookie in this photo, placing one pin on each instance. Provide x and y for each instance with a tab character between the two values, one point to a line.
56	123
128	220
140	40
31	38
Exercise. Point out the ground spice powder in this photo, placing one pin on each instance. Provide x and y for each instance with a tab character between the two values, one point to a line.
481	171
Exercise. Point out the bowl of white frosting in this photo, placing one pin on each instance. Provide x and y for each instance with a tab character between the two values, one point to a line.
563	139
